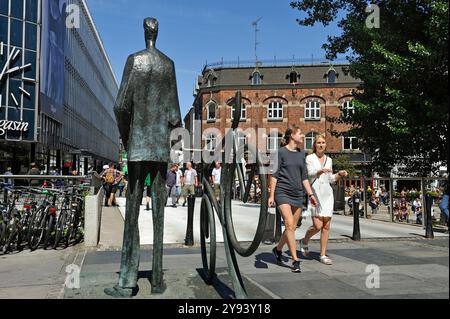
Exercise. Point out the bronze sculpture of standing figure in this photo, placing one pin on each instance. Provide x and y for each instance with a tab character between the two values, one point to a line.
147	109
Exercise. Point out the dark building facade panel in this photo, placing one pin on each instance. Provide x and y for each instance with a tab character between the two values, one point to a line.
71	122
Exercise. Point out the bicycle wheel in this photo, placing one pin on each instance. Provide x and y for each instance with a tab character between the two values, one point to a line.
60	228
10	235
71	228
49	230
78	228
24	227
37	227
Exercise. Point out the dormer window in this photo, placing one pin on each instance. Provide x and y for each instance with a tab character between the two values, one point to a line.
331	76
210	78
293	77
256	78
211	81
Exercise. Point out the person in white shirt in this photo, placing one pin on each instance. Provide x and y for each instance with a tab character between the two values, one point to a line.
216	174
417	208
320	173
189	182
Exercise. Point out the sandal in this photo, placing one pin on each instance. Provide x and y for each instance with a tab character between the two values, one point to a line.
304	249
326	260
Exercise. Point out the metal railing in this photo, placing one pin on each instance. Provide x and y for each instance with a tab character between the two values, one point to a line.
273	63
394	205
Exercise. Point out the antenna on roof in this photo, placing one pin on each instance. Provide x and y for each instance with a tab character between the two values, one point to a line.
255	24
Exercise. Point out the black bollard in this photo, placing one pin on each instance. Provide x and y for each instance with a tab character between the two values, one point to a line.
356	229
189	240
429	220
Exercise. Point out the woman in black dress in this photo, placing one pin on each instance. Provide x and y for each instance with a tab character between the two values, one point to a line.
287	189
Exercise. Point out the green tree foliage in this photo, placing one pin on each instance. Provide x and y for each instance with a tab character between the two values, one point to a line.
401	112
343	162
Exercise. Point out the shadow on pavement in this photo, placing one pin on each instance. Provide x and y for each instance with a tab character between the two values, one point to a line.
221	288
263	260
419	235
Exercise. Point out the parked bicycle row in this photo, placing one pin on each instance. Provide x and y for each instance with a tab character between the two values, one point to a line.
41	217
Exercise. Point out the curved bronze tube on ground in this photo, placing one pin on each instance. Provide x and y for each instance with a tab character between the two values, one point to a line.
224	212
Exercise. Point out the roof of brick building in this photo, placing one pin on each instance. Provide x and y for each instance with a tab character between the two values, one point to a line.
307	74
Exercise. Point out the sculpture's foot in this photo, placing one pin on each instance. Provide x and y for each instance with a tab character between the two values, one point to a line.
159	289
118	292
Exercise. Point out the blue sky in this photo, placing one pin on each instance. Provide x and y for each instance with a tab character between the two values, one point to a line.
194	32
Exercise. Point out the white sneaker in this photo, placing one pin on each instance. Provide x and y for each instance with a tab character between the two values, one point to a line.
326	260
304	249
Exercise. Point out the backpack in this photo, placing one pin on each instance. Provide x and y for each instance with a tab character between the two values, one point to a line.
109	178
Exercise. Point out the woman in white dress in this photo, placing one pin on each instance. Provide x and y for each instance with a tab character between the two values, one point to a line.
320	173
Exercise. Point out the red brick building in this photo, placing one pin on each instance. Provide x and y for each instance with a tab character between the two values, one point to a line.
277	97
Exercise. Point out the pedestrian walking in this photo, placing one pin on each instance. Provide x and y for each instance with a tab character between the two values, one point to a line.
287	188
9	181
216	177
105	185
111	177
320	173
417	210
171	181
34	170
59	183
122	185
189	182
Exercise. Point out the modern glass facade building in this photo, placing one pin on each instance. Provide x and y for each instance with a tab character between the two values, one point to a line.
57	88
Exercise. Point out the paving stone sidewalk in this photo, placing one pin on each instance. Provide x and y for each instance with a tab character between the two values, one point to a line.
409	269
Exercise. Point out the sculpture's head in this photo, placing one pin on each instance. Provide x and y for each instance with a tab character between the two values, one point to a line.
151	27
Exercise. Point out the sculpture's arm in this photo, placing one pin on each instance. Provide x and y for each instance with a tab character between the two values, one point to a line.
124	102
174	115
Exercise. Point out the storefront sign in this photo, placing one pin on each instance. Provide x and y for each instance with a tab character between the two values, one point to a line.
12	126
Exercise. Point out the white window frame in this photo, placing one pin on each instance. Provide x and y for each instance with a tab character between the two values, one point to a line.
351	138
275	107
313	111
243	112
274	140
312	138
242	139
347	108
211	142
208	115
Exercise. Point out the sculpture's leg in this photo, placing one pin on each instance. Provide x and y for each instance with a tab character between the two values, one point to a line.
159	199
129	267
